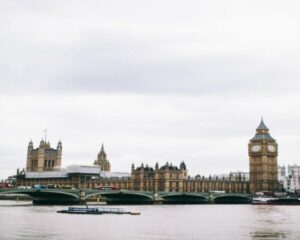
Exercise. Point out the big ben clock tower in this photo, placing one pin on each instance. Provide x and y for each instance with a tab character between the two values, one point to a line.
263	151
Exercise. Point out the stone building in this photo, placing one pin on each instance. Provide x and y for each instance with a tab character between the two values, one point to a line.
44	168
263	151
43	158
231	184
167	178
263	175
170	178
102	161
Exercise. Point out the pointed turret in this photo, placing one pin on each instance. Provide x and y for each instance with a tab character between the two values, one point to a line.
262	132
42	143
30	145
182	166
59	145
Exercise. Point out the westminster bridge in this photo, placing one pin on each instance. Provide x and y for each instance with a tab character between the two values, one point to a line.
76	196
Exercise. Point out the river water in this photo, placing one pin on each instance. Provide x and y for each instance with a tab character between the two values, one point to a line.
155	222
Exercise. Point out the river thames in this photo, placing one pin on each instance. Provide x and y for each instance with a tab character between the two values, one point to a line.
155	222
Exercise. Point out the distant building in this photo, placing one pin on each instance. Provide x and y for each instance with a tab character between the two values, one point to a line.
282	179
290	179
281	171
102	161
293	182
294	170
43	158
233	175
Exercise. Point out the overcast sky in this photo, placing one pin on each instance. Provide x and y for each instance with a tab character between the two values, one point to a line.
155	81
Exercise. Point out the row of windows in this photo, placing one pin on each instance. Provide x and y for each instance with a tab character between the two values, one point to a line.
49	163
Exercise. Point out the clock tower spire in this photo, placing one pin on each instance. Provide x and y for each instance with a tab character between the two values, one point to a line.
263	152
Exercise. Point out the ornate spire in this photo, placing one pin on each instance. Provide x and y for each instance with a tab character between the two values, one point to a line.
262	132
102	153
102	160
262	125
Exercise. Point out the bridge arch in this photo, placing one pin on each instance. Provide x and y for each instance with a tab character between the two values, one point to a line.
184	198
123	197
232	199
47	196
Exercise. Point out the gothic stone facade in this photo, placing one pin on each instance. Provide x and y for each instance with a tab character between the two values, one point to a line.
263	151
169	178
43	158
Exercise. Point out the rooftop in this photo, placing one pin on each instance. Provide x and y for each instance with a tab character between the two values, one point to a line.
76	169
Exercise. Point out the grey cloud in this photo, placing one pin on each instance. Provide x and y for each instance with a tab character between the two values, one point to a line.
70	52
205	76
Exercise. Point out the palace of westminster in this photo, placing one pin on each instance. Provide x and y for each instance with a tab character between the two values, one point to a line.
44	167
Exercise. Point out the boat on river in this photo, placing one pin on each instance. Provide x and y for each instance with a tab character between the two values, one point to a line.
97	211
275	201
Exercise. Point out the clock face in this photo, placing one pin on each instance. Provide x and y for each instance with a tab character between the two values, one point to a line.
255	148
271	148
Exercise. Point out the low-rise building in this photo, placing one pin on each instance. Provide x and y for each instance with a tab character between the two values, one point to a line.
167	178
77	176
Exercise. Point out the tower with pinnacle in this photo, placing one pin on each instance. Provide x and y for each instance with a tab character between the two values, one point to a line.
263	167
102	161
